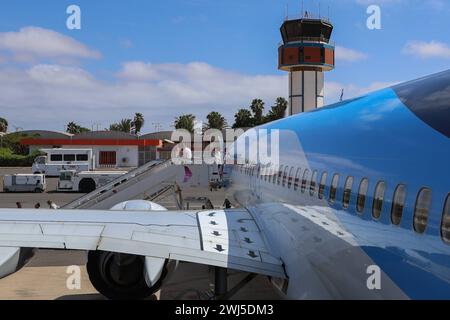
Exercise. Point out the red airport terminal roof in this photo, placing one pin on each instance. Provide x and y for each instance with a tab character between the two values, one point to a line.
92	142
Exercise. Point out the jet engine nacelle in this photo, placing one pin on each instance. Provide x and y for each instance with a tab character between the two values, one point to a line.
125	276
13	259
138	205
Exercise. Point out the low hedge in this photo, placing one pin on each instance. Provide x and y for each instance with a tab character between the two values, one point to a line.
8	159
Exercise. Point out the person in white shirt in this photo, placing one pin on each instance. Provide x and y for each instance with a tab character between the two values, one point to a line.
52	205
187	155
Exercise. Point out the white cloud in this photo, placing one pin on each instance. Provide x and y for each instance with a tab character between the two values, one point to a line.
423	49
349	55
49	96
31	43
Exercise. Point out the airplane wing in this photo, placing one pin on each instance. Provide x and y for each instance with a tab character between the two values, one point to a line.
223	238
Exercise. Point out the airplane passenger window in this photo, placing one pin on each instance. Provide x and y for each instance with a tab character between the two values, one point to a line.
378	200
347	192
291	172
280	173
305	180
285	176
398	204
333	188
323	182
362	193
445	226
297	179
312	187
421	210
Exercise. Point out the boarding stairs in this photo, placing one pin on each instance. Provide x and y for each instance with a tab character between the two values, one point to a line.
149	182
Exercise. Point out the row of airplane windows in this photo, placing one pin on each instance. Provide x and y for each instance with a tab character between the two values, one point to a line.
285	177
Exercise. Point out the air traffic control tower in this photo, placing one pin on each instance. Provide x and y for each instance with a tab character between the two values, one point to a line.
306	52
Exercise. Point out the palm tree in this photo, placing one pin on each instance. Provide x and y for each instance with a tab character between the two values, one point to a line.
74	128
186	121
124	126
243	119
3	125
139	122
215	121
278	111
257	108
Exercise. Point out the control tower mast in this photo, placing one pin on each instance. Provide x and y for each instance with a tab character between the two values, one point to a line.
306	52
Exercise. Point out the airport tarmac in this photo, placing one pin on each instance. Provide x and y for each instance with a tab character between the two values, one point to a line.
45	276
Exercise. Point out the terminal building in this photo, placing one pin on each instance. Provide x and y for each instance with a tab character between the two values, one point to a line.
112	149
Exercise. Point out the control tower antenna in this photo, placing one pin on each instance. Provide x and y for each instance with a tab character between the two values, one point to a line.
306	53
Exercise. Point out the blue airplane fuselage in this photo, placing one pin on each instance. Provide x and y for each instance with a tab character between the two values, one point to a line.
332	242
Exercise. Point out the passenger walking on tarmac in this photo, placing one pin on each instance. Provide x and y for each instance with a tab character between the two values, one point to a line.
52	205
187	155
227	204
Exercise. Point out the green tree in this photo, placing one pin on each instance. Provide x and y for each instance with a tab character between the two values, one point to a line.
138	121
243	119
186	121
12	142
257	108
3	125
278	111
124	126
215	121
74	128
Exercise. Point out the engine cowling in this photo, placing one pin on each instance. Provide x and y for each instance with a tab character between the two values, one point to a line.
125	276
138	205
13	259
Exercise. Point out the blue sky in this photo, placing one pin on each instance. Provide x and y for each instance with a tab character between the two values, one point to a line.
164	58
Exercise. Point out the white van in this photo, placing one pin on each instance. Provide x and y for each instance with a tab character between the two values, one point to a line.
24	183
63	159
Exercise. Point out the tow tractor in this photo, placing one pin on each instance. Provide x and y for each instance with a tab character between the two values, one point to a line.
86	181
